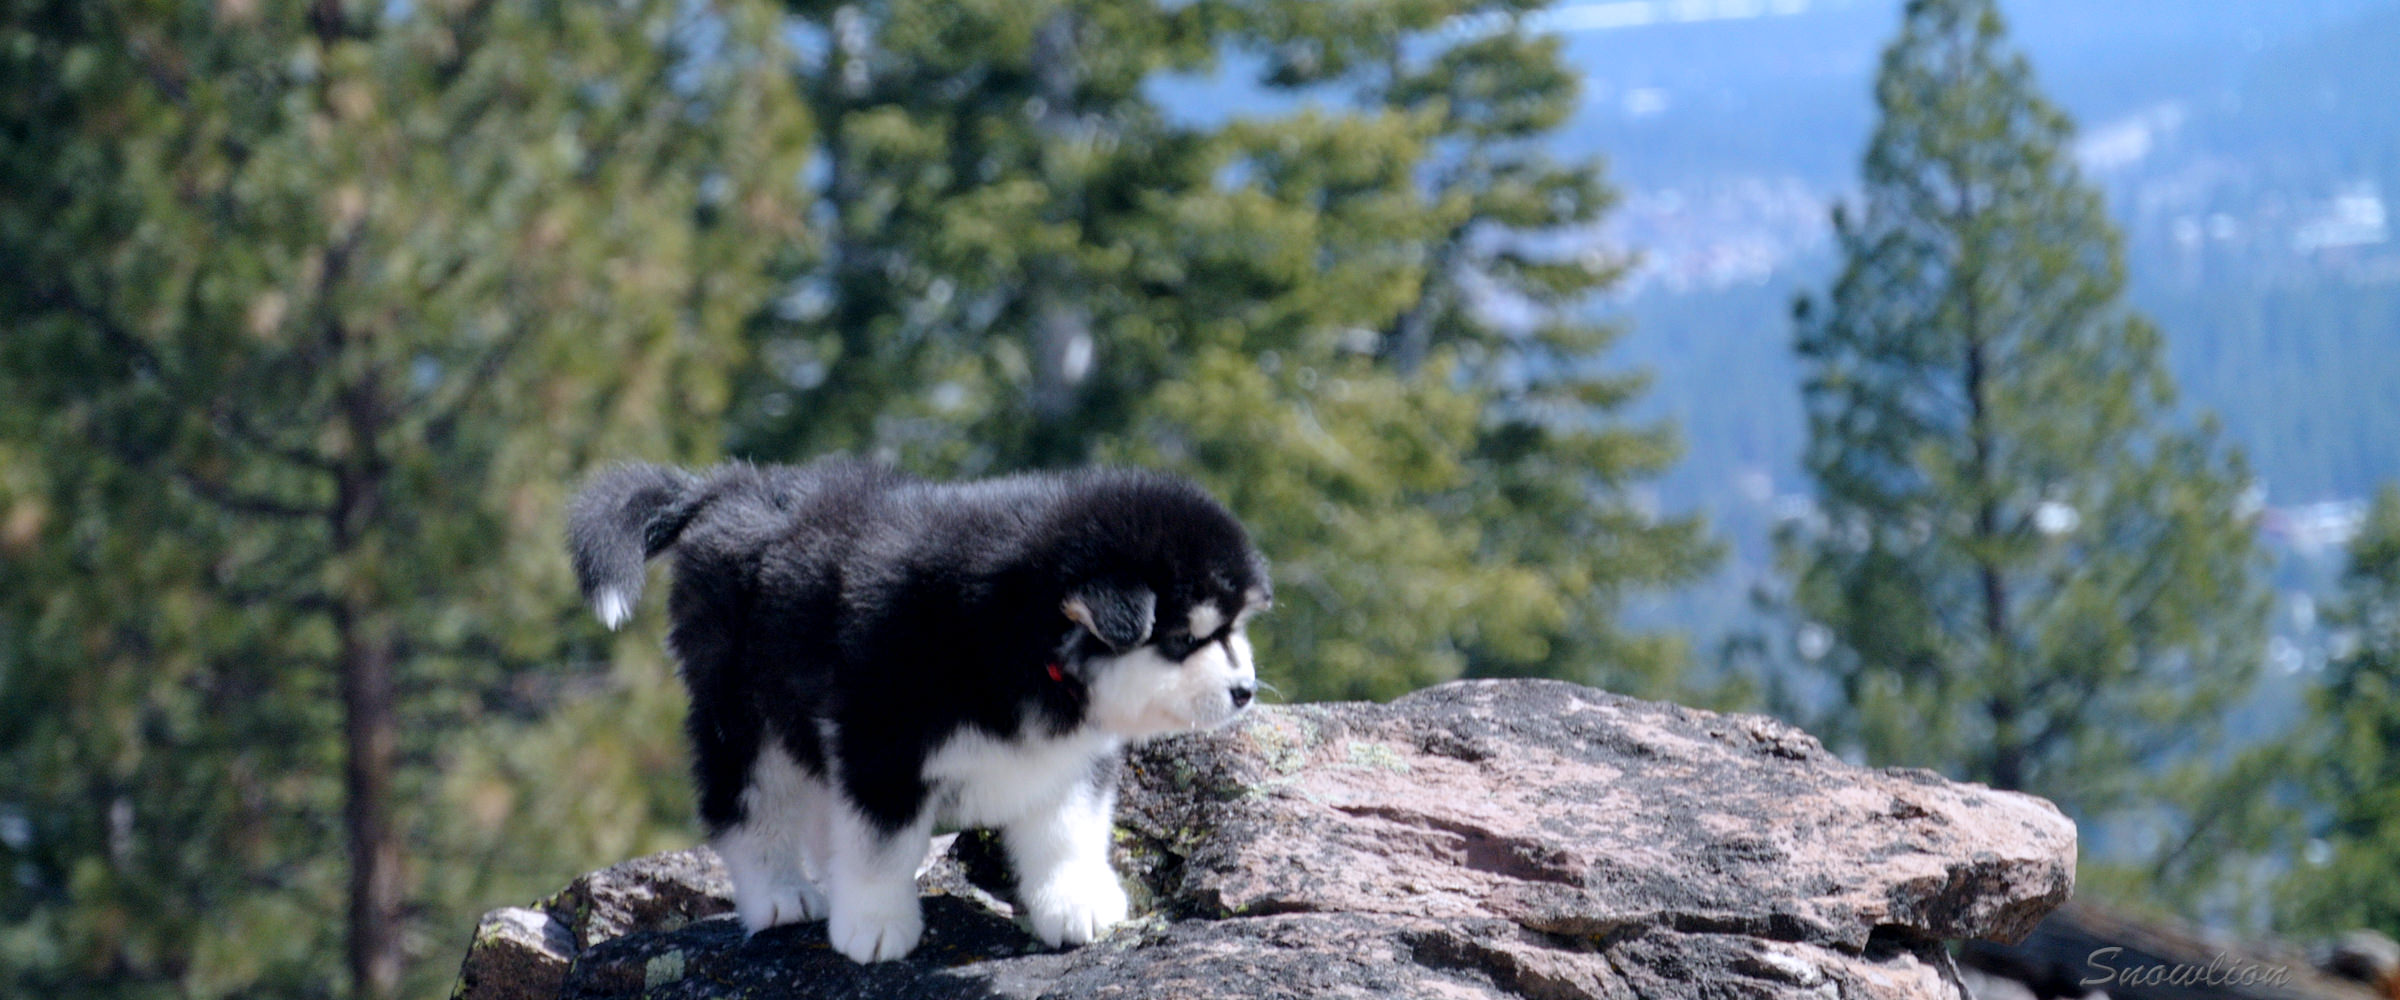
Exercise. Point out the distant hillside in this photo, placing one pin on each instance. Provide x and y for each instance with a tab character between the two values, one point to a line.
2250	150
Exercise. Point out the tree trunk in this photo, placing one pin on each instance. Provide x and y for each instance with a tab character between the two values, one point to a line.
2008	753
1062	345
370	733
370	739
2007	761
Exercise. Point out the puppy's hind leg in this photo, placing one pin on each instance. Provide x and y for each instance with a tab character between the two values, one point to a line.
764	852
818	804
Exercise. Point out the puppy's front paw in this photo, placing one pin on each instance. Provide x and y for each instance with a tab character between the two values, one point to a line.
1076	905
876	932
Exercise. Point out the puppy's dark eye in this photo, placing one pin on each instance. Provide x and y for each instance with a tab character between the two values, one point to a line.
1176	647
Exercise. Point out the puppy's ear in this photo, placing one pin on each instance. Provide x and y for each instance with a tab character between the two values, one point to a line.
1119	614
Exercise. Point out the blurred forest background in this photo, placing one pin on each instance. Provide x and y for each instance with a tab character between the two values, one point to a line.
1863	387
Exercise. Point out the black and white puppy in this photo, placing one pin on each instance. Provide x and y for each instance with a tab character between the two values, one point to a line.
871	656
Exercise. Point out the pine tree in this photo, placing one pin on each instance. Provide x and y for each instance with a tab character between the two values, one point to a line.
980	164
2359	768
315	311
1539	474
1027	263
2026	573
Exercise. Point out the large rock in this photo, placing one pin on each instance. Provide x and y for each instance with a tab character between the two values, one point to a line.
1495	838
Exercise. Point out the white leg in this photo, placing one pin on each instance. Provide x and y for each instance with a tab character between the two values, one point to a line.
763	853
816	831
872	879
1063	878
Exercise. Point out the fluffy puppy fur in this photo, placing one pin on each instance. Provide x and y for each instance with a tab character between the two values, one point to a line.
871	656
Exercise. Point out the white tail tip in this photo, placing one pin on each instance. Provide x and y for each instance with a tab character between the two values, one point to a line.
613	606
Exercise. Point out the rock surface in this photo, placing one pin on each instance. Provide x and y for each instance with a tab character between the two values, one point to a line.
1490	838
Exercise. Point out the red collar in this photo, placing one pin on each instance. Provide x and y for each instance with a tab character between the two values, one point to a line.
1058	672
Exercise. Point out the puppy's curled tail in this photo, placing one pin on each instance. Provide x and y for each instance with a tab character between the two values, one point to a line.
623	517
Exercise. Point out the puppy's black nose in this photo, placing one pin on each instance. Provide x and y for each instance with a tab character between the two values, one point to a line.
1243	694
